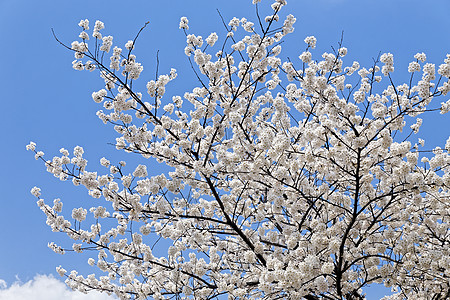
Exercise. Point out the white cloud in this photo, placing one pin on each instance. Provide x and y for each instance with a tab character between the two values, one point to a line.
45	287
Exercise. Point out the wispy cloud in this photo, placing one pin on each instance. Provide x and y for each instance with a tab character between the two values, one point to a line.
45	287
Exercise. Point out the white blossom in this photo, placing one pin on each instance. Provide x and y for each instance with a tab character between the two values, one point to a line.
31	146
184	23
212	39
35	191
311	41
79	214
84	24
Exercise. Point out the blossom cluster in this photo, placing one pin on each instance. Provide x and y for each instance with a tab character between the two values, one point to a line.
288	178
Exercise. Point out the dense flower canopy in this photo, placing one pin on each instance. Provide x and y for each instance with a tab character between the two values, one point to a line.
290	179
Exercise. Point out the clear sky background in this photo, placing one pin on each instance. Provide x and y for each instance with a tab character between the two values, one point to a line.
44	100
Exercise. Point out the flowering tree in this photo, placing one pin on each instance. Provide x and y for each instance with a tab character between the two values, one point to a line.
289	179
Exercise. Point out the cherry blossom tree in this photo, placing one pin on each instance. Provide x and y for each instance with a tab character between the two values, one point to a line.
290	179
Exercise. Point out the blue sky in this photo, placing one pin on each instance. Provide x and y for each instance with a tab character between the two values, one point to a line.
44	100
